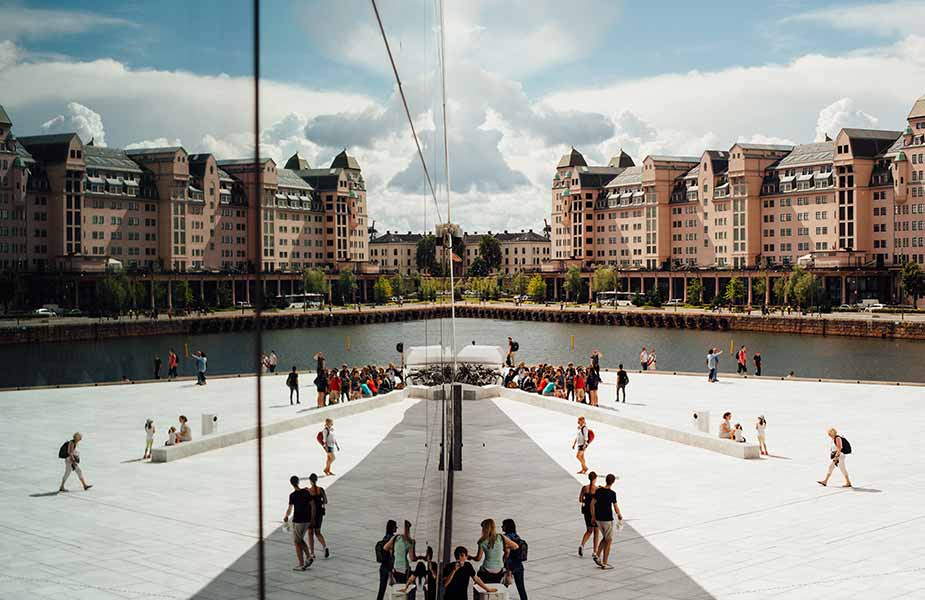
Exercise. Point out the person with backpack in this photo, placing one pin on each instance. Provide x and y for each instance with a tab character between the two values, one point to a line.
401	547
582	438
586	498
71	455
385	558
292	382
329	444
514	563
319	501
492	547
622	380
300	507
841	447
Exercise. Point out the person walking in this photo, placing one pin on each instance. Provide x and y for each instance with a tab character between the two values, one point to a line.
402	548
149	438
586	499
321	379
319	500
300	507
713	364
329	442
623	380
757	360
602	511
272	361
201	363
492	547
760	428
514	564
157	367
840	449
71	455
742	361
644	359
385	558
580	443
172	362
292	382
457	574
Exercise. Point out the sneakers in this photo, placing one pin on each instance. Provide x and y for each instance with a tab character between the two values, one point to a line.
327	552
581	551
597	561
309	561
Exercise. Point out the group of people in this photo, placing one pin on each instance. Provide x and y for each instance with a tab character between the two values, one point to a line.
648	360
268	362
741	357
501	554
598	507
307	508
341	385
570	382
173	362
728	431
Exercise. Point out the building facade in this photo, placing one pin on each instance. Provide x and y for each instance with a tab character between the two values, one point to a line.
395	252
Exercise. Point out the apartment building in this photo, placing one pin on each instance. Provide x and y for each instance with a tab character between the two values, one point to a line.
395	252
855	200
520	251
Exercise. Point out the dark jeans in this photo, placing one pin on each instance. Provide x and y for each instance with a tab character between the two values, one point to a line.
384	573
294	390
570	393
619	388
172	372
644	366
741	368
758	370
519	582
712	375
200	377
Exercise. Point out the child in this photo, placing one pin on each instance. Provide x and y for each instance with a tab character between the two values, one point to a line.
760	427
171	436
149	438
737	434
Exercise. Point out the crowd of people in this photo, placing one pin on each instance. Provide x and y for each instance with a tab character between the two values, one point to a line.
334	385
578	383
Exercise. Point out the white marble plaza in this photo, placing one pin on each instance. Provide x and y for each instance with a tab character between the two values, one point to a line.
741	529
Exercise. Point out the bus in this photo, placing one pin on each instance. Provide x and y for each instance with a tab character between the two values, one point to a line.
303	301
615	298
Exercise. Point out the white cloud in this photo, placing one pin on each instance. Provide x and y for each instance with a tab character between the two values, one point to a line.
886	18
160	142
8	53
842	113
21	21
760	138
86	122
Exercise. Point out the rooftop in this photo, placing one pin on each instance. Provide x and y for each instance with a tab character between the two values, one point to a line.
809	154
572	159
109	159
290	179
397	238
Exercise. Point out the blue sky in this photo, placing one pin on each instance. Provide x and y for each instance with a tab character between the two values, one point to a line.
527	80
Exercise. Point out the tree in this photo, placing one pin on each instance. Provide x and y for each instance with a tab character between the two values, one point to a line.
488	288
425	255
735	291
347	285
536	288
382	290
780	289
428	289
519	284
398	285
694	291
183	294
913	281
490	252
758	289
653	297
605	280
478	267
111	295
223	294
572	283
805	288
314	281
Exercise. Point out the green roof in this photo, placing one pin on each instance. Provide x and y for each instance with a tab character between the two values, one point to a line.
4	118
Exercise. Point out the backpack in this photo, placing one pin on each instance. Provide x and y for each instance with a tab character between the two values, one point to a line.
515	346
845	445
623	378
62	451
590	435
523	549
381	555
320	437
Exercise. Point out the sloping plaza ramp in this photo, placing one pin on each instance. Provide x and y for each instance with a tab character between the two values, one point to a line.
505	475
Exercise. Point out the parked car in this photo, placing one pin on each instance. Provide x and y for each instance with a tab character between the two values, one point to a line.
44	312
240	304
874	307
675	302
73	312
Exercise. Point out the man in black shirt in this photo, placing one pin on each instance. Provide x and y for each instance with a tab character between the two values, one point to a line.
602	510
457	574
388	560
622	380
300	506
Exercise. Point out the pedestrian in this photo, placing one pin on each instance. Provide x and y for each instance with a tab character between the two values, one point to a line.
333	387
300	507
273	360
149	438
385	558
580	385
201	362
172	362
593	380
760	428
423	577
726	430
586	499
321	379
319	508
457	574
401	547
492	548
185	434
512	347
623	380
515	558
157	367
329	442
580	443
344	383
292	382
742	361
713	364
602	511
652	361
757	361
840	449
644	359
71	455
570	382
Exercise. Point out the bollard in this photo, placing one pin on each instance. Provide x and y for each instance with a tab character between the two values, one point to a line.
348	343
573	343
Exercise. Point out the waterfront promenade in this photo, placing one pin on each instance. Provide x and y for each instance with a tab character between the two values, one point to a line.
699	524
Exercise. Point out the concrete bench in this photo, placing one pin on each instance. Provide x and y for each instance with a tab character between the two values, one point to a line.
609	417
499	594
162	454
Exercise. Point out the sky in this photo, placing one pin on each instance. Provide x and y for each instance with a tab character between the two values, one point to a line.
525	80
